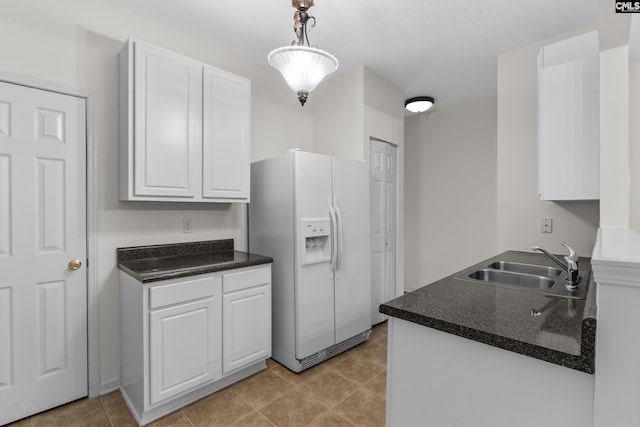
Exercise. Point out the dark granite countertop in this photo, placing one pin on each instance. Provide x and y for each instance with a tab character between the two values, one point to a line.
162	262
563	333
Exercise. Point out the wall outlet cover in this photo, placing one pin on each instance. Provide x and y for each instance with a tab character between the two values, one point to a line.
546	225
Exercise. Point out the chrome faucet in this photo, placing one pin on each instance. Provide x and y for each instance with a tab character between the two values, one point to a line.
571	267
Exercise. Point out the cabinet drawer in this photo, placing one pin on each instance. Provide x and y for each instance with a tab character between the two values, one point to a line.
246	279
182	291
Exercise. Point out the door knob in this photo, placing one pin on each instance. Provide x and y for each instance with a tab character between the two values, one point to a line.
75	264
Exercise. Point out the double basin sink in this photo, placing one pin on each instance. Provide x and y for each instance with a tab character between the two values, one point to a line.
530	277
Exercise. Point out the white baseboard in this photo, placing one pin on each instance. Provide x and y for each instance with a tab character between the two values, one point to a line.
109	386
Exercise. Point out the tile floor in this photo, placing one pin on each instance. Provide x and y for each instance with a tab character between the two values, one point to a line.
348	390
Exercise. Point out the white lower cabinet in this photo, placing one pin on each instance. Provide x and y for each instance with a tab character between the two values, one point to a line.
182	339
182	342
246	302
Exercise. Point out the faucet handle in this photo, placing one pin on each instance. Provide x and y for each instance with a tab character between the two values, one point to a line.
572	254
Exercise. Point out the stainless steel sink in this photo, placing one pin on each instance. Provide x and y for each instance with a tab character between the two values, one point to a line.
523	276
512	279
519	267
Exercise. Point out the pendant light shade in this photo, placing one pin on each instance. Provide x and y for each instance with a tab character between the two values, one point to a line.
302	66
419	104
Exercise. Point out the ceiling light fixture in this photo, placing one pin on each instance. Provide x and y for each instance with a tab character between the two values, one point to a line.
302	66
419	104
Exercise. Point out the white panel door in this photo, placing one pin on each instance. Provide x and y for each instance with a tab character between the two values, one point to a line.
182	342
168	123
43	310
390	222
353	264
382	189
226	135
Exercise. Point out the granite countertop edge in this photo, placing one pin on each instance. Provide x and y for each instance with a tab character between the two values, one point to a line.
169	260
584	361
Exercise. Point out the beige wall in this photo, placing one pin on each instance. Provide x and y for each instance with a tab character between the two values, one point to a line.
76	43
338	115
518	206
614	137
450	190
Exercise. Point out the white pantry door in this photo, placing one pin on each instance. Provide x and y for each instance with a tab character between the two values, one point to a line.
382	162
43	300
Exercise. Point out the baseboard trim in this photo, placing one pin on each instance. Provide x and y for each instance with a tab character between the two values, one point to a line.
109	386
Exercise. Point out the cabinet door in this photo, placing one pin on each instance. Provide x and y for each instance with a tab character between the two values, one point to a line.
568	119
246	319
168	123
226	135
183	342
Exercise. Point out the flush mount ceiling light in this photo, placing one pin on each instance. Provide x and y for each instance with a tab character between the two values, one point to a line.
302	66
419	104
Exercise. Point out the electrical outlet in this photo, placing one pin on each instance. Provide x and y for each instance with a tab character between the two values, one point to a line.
546	225
186	226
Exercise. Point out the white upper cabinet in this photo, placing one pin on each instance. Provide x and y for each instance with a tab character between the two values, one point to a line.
167	113
569	119
226	156
184	128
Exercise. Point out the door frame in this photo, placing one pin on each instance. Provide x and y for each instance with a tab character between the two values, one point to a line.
92	215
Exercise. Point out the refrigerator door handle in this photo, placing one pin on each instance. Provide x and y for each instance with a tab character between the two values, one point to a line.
334	239
339	239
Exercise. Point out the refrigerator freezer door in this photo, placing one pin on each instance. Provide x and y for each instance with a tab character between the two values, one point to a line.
353	272
313	291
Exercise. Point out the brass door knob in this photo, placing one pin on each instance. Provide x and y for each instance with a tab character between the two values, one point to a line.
75	264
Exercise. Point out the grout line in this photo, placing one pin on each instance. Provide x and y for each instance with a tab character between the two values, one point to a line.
270	401
343	418
320	416
186	418
106	414
255	412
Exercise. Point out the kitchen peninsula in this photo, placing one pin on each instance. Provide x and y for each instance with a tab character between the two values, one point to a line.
475	354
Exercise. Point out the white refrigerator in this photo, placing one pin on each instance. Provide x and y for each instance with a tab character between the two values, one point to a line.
310	212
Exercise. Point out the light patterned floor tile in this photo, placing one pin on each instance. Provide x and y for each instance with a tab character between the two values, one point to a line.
378	384
363	408
117	410
294	409
328	388
261	388
331	419
357	369
219	409
81	413
254	420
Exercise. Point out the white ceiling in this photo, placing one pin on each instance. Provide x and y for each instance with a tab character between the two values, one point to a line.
443	48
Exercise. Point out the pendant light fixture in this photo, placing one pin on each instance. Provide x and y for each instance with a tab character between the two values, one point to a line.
419	104
302	66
